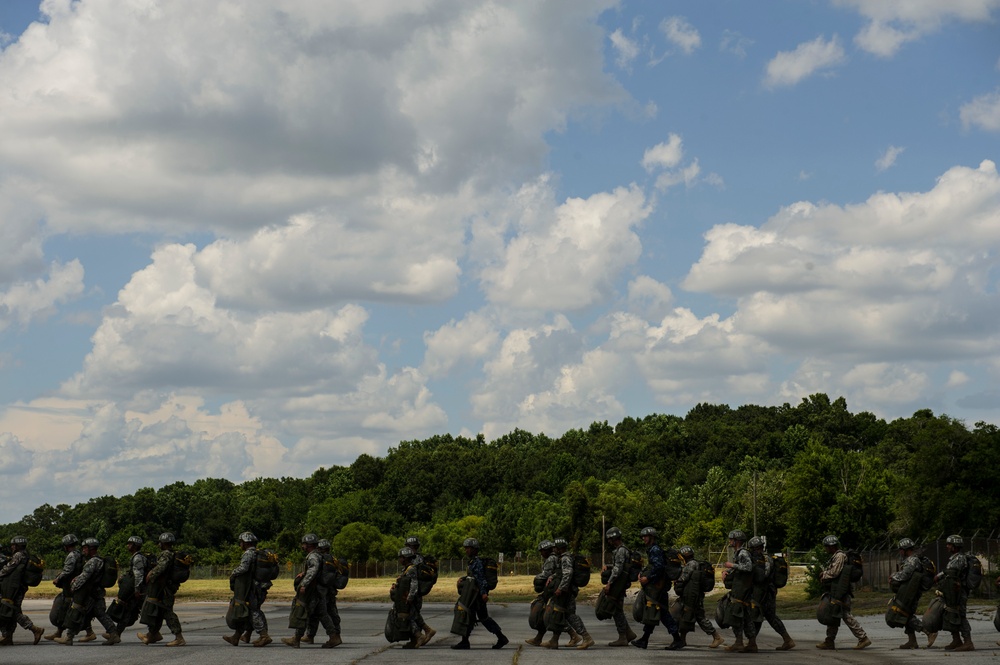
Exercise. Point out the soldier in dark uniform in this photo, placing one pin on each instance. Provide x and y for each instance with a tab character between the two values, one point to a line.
693	601
766	593
307	592
951	584
13	587
72	565
831	574
618	582
88	598
161	591
328	592
907	584
479	610
741	567
132	585
656	585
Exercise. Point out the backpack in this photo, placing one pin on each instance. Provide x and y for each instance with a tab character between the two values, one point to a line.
427	575
973	572
180	572
857	565
581	570
675	563
707	576
491	570
779	571
343	573
634	566
927	577
34	568
150	563
759	569
266	567
109	574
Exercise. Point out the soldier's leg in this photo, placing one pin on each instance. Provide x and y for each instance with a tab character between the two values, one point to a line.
853	625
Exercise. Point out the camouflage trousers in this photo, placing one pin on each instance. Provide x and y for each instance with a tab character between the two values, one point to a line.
851	623
700	619
97	610
769	610
621	621
330	598
316	608
21	619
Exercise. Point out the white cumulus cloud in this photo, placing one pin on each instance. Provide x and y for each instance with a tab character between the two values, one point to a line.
982	112
888	158
681	34
788	68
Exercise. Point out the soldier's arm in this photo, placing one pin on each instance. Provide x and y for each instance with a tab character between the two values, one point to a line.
69	565
476	568
835	567
90	569
16	560
618	566
163	561
246	561
411	572
687	572
743	562
657	565
566	564
139	572
312	570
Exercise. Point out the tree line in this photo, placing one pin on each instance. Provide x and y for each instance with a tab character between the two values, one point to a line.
810	469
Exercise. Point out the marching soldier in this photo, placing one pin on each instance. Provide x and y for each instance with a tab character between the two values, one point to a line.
479	610
72	565
688	587
307	592
834	569
246	589
766	594
564	597
159	604
618	582
655	583
328	591
951	585
132	585
741	567
88	598
418	601
13	587
907	584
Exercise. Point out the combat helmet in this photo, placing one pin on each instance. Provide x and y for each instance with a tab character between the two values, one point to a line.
248	537
406	553
471	542
906	544
69	540
91	542
310	539
613	532
738	534
955	540
831	541
167	537
545	545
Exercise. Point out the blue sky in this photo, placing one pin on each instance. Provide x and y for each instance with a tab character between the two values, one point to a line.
241	240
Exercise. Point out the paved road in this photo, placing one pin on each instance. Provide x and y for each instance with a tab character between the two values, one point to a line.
364	642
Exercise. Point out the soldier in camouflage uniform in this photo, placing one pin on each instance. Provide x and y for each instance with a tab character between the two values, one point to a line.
13	586
657	588
621	559
741	567
564	596
161	591
418	602
952	586
88	598
72	565
132	585
409	584
307	588
328	591
766	593
834	569
242	578
549	561
906	583
479	610
693	601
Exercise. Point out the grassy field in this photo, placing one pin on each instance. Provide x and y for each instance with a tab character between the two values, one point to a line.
792	601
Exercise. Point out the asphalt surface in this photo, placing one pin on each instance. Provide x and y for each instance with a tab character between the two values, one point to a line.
364	642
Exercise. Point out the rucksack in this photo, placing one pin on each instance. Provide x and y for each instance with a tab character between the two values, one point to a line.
779	571
927	577
150	563
675	563
634	566
581	570
343	573
707	576
180	572
491	570
427	575
267	566
759	568
34	568
973	572
857	565
109	574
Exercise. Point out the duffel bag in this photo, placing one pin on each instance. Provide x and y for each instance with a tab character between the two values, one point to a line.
606	606
639	606
237	614
933	618
116	611
298	618
536	614
896	616
397	627
722	611
829	611
57	615
556	617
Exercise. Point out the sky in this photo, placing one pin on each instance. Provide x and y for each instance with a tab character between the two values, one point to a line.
246	239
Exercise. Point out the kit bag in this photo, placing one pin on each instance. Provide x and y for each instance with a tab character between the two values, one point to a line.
707	571
491	570
581	570
536	614
722	611
779	571
180	572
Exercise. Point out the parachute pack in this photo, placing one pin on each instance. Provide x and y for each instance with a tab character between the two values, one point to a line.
707	571
675	563
180	572
927	577
267	566
634	566
33	570
779	571
581	570
109	573
857	565
491	570
427	575
973	572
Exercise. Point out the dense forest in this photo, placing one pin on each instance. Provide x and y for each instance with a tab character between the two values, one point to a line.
814	468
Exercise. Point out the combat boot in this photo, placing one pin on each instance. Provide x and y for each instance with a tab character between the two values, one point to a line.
574	638
717	640
680	641
787	644
536	640
178	641
622	641
863	642
956	641
412	644
7	641
751	646
38	631
90	636
501	642
967	645
66	640
737	645
641	643
234	639
931	637
426	637
246	636
629	634
462	644
54	635
588	641
826	644
263	640
334	640
293	641
911	642
552	643
112	639
306	639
